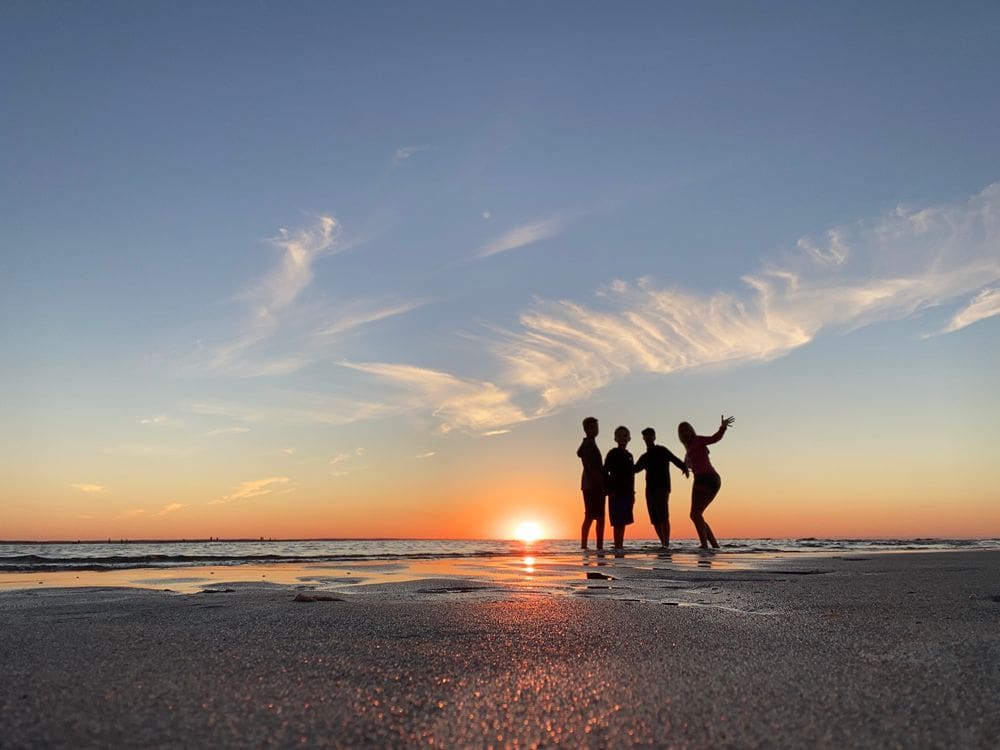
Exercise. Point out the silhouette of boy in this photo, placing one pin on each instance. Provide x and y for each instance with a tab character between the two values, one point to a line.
656	463
591	483
619	478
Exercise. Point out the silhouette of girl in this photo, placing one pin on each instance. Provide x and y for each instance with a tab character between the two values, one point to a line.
706	479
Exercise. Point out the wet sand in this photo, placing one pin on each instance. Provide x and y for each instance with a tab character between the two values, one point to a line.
884	650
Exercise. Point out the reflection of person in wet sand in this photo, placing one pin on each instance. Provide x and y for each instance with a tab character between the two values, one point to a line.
656	463
619	474
707	481
592	483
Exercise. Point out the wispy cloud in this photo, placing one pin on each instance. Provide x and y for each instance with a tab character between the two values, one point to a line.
89	489
270	299
286	330
341	457
295	408
171	508
522	236
903	263
132	513
984	305
299	250
494	433
425	455
350	320
159	419
466	404
404	153
227	431
252	488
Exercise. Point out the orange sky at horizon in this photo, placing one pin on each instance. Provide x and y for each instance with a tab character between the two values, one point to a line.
744	509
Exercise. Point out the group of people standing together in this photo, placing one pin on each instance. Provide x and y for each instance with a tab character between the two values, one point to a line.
613	477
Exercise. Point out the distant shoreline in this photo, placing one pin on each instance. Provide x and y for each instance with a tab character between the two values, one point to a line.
257	540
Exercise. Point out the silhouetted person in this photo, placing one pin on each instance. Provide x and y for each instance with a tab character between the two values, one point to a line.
619	477
656	463
706	479
591	483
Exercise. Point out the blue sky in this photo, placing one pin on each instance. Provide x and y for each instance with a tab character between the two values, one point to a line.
315	241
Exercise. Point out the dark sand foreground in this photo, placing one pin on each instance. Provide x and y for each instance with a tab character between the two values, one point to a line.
888	650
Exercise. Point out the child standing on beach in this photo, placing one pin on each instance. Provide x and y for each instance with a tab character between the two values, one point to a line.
656	463
591	483
707	481
619	475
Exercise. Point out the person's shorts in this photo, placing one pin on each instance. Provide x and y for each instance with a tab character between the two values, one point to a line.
711	482
656	504
620	507
593	504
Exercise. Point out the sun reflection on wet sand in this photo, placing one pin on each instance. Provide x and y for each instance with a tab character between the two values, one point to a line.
521	574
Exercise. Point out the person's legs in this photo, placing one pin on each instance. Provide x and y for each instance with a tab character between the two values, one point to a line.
666	521
663	531
593	510
702	495
699	501
656	506
619	536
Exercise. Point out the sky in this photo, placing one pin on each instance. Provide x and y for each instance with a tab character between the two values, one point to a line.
321	269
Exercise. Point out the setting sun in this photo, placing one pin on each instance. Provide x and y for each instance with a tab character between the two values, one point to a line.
528	531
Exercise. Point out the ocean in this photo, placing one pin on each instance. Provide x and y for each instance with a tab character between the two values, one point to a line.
31	557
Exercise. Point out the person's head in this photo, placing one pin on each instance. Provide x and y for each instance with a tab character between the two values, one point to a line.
622	436
685	432
590	427
649	435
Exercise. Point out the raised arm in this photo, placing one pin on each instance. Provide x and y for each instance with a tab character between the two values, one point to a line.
723	426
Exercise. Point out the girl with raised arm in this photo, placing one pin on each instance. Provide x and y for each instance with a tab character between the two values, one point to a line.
706	479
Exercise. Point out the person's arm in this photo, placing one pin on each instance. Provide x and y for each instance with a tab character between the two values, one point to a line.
640	465
594	466
610	467
723	426
676	461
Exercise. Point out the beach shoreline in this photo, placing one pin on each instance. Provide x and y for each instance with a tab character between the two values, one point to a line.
862	651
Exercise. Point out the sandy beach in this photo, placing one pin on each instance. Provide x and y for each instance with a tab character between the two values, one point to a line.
881	650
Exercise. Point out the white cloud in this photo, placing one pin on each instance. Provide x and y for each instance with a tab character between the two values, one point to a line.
522	236
494	433
159	419
984	305
286	330
465	404
905	262
251	488
341	457
171	508
295	408
352	319
227	431
89	489
403	154
426	455
299	249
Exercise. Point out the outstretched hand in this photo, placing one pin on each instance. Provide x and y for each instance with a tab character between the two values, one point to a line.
727	421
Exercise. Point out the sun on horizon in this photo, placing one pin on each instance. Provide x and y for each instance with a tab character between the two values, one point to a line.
528	531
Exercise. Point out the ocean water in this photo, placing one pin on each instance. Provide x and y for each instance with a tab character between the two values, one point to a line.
30	557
